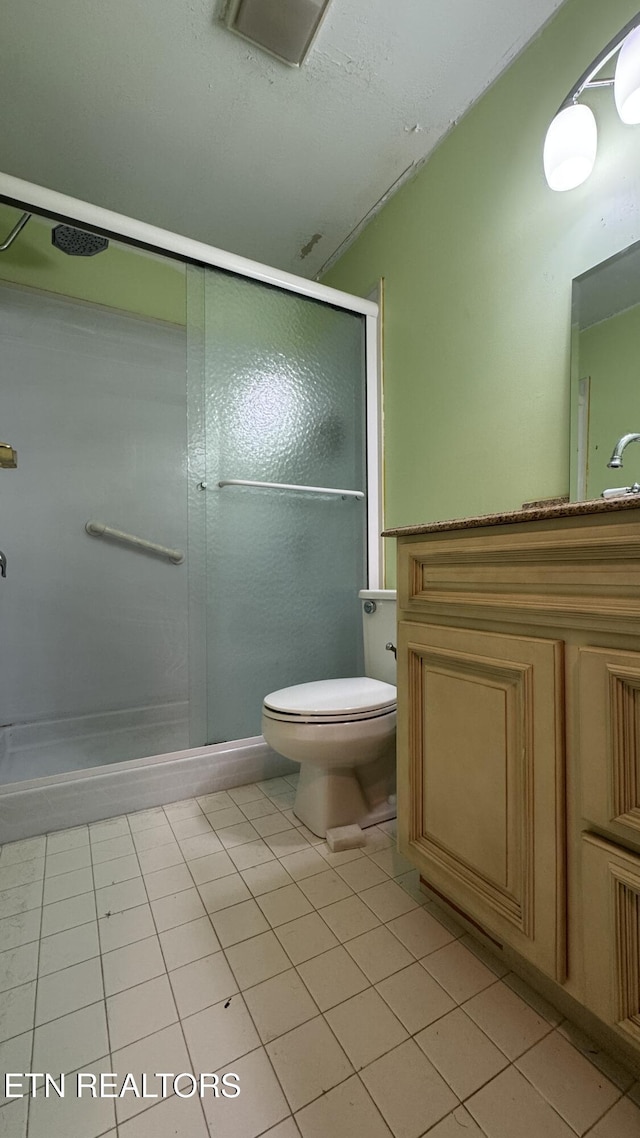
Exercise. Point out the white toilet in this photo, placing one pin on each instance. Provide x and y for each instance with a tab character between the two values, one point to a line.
343	732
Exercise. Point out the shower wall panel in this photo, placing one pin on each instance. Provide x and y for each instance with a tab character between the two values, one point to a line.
94	401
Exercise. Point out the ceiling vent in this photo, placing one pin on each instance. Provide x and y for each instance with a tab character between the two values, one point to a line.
284	28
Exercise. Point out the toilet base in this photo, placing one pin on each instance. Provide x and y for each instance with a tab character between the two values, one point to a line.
330	797
384	812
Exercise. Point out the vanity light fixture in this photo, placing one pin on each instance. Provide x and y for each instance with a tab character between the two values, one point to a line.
572	139
285	29
626	88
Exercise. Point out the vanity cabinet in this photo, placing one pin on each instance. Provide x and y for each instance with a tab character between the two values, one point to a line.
481	734
519	740
609	684
612	934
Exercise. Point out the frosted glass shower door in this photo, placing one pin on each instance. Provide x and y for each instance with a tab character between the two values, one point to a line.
283	402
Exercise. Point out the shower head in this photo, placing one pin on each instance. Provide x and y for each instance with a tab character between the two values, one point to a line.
76	242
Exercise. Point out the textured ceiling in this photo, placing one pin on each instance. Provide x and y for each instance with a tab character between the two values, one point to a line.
152	108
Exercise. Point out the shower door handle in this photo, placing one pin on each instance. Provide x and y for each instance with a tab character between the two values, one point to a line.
332	490
3	564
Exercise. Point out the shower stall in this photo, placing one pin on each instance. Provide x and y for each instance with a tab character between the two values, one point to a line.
192	509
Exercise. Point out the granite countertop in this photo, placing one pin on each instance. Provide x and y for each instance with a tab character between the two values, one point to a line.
535	513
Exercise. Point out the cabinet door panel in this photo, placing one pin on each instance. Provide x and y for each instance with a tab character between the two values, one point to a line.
610	739
611	879
468	776
481	779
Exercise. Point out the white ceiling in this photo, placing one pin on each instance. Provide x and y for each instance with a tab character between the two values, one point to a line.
152	108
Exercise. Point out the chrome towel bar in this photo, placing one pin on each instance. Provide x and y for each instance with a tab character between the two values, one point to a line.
99	529
290	486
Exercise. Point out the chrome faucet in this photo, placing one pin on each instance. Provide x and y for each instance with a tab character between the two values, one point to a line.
615	462
3	564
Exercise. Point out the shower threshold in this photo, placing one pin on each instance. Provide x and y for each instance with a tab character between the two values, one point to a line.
60	801
74	743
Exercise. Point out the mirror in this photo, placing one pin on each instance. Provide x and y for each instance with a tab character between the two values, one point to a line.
605	374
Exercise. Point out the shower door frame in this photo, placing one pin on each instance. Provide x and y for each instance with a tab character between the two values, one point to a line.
60	207
76	797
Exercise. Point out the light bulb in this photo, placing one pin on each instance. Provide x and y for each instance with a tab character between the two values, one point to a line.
626	86
570	147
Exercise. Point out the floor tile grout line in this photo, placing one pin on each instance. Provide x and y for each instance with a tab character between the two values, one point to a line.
483	1133
499	979
412	1035
263	1044
272	927
621	1094
512	1062
341	944
248	1009
173	995
31	908
104	987
476	1090
602	1116
618	1062
241	993
155	811
21	861
129	987
255	896
551	1029
244	1002
81	1008
326	923
355	1071
509	1062
25	884
384	1119
323	1093
35	1005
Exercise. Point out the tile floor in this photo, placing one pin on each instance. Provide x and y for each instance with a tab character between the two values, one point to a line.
219	935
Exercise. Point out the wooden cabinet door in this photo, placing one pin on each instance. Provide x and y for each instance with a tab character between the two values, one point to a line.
481	779
609	712
611	915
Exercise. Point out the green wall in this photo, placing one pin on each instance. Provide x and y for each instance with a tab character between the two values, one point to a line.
609	353
120	278
478	256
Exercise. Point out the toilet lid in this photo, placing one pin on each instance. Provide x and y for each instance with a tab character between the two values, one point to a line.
333	697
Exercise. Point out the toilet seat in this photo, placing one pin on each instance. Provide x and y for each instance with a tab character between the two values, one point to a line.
331	701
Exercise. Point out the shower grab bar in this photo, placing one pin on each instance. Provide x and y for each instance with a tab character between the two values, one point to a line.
290	486
99	529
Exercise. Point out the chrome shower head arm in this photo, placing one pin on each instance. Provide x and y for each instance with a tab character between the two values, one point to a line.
18	227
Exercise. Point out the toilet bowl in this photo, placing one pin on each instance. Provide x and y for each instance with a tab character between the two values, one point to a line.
342	732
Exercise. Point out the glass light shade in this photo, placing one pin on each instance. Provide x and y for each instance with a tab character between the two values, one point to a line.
570	147
626	87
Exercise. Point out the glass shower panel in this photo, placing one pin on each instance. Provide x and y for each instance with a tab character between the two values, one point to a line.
93	669
285	403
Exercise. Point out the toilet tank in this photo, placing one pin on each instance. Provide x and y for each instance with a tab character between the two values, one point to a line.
379	629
